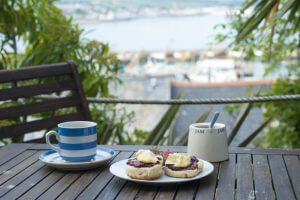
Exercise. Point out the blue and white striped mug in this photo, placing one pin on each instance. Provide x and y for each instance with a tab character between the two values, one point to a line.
77	140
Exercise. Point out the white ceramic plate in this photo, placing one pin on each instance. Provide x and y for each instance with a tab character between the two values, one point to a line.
52	159
118	169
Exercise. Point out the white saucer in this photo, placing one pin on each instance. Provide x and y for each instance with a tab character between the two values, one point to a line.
51	158
118	169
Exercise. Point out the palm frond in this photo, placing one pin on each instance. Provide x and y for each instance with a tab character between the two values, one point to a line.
246	141
240	120
158	132
256	18
183	141
170	137
248	5
292	15
289	5
266	10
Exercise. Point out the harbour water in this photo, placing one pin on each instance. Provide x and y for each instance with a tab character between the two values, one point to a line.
136	25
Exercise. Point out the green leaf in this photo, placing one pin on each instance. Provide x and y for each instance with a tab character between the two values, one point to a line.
183	141
158	132
294	8
121	138
171	132
253	22
246	141
240	120
259	6
286	7
249	4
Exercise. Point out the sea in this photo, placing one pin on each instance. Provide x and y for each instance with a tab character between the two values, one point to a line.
152	25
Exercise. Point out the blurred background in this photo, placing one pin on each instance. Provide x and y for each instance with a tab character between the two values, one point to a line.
167	49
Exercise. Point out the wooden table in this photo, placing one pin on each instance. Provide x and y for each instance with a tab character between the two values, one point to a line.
249	174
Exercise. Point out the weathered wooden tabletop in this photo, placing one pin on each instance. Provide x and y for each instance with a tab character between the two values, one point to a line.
249	174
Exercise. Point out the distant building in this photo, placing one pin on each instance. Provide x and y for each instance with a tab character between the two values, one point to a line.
190	113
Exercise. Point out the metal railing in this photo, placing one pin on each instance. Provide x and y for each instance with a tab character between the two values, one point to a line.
191	101
198	101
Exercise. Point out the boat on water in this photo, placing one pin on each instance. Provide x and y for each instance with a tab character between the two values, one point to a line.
185	67
213	70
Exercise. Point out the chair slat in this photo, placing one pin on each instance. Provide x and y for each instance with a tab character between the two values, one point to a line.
33	90
40	71
33	108
84	104
67	71
47	123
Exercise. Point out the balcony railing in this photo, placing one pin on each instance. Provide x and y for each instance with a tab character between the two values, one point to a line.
192	101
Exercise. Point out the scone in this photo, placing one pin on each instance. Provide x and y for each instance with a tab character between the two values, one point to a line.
182	166
146	165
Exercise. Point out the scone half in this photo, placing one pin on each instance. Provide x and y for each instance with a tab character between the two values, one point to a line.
185	172
144	171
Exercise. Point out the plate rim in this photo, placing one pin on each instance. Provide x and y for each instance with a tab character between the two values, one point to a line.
154	182
51	151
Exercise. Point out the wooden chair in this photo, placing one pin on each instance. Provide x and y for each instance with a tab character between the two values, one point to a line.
15	89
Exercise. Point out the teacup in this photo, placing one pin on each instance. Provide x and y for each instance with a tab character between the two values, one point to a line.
77	140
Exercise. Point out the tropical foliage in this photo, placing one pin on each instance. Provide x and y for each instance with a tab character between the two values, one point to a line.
272	28
36	32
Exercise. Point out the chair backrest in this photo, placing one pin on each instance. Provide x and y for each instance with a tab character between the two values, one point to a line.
20	85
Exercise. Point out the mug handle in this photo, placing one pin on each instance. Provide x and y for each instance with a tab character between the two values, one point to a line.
48	135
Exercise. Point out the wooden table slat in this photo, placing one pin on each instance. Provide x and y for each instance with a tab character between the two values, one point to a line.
13	182
281	182
186	191
262	151
55	190
166	192
129	191
97	185
232	150
16	160
262	178
43	186
28	183
81	183
226	182
112	189
10	151
147	192
207	185
244	177
18	168
293	167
